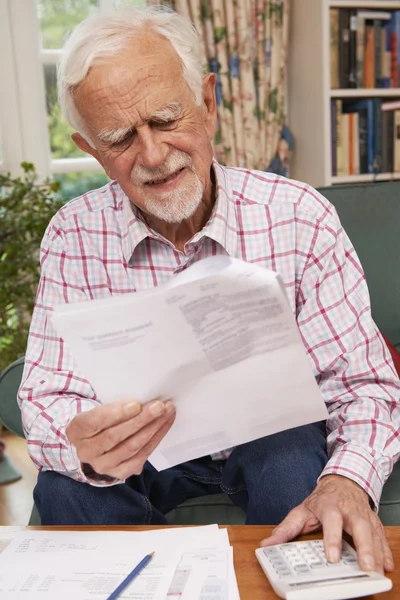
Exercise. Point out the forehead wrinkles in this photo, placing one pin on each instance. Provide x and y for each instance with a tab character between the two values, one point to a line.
113	91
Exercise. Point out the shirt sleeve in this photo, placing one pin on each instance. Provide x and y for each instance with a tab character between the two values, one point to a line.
53	391
352	365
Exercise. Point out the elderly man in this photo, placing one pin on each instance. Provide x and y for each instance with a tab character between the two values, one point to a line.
133	88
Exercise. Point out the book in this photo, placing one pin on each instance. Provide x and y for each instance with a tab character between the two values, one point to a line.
344	48
365	108
334	47
346	143
378	53
333	138
339	138
369	57
396	141
390	105
360	46
394	49
352	75
356	143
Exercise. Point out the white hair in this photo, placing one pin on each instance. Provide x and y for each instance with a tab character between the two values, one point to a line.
100	37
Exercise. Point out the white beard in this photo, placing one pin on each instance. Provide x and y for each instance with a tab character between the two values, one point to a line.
178	205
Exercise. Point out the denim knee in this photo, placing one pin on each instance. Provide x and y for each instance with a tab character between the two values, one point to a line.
61	500
279	471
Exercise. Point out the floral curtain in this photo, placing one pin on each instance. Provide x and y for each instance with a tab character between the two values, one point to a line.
245	43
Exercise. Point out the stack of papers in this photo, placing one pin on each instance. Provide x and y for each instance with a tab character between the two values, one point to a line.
189	563
219	339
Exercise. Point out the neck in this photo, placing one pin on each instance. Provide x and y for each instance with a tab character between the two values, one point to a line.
180	233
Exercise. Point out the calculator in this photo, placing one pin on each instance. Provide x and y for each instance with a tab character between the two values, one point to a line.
300	571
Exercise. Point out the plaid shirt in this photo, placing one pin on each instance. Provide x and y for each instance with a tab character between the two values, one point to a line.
99	245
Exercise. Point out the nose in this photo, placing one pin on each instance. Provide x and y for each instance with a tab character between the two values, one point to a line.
152	150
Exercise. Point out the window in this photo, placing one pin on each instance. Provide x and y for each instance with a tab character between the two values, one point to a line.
32	33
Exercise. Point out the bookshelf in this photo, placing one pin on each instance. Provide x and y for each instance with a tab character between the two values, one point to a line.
310	93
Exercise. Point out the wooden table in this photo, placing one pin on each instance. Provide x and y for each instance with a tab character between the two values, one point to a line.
253	585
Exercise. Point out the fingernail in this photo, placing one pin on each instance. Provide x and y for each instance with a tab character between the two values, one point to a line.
132	408
157	408
367	563
333	555
389	564
169	407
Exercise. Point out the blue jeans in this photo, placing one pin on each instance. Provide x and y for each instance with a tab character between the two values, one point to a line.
267	478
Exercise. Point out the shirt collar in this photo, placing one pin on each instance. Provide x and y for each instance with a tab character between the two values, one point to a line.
221	226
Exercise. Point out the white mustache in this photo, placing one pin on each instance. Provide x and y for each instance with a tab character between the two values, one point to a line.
173	163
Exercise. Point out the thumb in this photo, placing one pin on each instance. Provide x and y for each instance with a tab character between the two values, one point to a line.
289	528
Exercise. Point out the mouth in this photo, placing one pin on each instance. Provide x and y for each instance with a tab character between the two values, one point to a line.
167	179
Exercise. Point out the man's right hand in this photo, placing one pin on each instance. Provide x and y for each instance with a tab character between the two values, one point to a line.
116	439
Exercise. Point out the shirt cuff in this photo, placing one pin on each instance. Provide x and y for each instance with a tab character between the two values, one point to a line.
85	473
355	462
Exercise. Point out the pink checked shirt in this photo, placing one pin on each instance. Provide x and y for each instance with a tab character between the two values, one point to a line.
99	245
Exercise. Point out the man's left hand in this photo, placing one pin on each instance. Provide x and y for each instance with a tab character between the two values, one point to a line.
338	504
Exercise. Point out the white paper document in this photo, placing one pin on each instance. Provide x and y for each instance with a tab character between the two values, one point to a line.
188	563
219	339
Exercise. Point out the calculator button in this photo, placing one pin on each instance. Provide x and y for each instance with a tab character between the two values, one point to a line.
278	564
349	560
284	572
301	569
317	564
271	552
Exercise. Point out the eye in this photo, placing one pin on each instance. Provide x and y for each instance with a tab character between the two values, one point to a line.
171	124
127	139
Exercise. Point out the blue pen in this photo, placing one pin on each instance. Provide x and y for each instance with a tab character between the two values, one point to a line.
131	576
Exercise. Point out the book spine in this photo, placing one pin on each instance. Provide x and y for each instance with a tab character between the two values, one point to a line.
360	50
396	141
351	139
352	83
397	29
394	77
344	47
334	47
371	148
385	56
369	57
391	142
339	141
333	138
345	143
363	129
385	142
356	143
378	51
377	104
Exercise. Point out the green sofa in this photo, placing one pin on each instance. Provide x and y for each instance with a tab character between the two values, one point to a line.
371	216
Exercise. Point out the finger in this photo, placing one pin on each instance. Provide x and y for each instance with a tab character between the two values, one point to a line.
363	538
107	439
388	562
134	445
332	527
289	528
378	553
134	466
90	423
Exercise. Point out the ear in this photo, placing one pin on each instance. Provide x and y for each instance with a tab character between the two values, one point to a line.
210	104
86	147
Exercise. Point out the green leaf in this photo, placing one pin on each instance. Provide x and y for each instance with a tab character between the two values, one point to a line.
273	100
219	34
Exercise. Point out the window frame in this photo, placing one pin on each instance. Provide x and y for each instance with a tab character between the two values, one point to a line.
24	134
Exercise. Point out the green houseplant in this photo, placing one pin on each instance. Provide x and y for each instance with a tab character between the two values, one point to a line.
26	207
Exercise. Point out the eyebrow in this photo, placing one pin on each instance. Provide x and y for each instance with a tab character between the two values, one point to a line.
169	112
